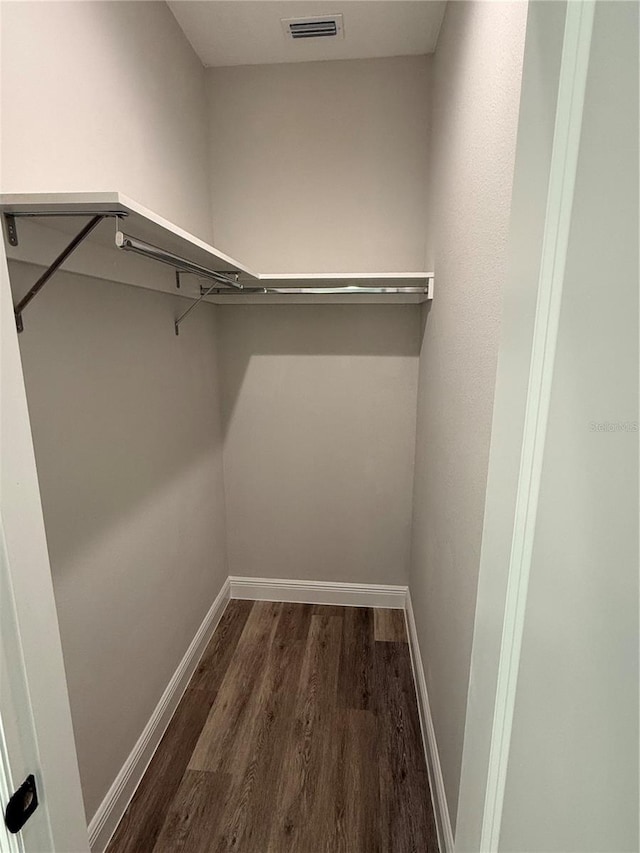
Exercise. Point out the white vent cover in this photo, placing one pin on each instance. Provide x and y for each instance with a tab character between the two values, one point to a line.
320	26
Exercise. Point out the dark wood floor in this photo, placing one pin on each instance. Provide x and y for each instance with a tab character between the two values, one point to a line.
299	732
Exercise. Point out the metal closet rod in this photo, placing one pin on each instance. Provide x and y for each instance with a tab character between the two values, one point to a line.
348	290
132	244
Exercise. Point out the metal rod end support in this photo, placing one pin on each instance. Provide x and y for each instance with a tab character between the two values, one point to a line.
12	230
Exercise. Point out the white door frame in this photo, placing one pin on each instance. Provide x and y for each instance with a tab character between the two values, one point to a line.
512	496
47	715
562	176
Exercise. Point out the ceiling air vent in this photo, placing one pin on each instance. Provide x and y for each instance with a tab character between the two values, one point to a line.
322	26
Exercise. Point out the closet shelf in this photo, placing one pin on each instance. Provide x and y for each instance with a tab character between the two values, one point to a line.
141	222
342	288
150	235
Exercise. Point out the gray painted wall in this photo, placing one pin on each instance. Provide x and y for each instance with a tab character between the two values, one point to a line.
319	419
105	96
321	166
476	89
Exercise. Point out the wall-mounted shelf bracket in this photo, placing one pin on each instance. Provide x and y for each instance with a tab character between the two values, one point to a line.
53	267
204	291
11	225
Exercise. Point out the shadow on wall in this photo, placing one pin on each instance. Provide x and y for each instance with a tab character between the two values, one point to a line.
271	333
123	412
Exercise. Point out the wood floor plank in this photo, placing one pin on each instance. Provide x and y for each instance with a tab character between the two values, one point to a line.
407	824
223	742
294	622
299	733
355	685
305	804
143	819
389	625
246	823
215	660
195	813
357	800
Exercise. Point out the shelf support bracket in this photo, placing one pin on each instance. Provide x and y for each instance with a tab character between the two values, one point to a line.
186	313
53	267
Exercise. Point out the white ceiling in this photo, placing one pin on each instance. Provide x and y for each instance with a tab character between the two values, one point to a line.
249	32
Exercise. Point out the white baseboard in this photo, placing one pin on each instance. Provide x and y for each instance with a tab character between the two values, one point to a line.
319	592
110	812
436	781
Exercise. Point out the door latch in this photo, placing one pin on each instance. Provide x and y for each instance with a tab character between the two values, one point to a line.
21	805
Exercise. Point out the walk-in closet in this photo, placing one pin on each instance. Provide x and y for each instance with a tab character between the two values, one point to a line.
319	425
